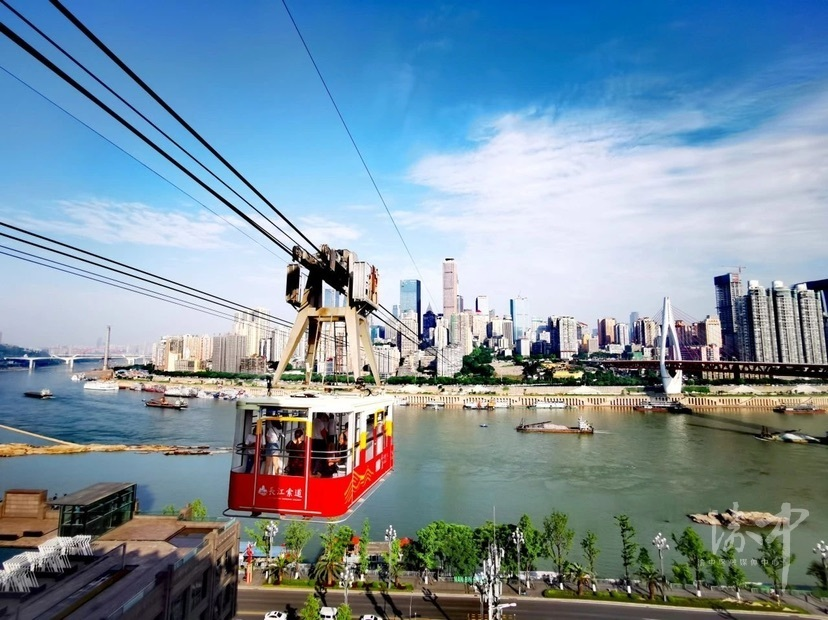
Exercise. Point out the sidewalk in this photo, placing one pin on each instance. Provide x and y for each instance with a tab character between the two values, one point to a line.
815	607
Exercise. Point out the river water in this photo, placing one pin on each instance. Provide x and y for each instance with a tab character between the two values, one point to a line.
656	468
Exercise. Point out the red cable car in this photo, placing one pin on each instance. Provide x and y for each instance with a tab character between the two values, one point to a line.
310	456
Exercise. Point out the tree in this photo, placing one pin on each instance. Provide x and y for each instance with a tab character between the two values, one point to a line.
311	609
734	575
258	534
198	511
579	575
557	539
279	565
816	569
478	363
169	510
590	548
773	560
364	537
532	545
331	560
297	535
628	544
691	546
651	577
682	573
716	567
343	612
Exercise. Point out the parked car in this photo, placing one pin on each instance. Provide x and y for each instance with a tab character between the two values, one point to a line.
327	613
369	617
276	615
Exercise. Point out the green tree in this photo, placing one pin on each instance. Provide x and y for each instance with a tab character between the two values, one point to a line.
578	575
278	566
589	546
343	612
297	535
816	569
628	544
478	363
364	538
716	567
734	576
198	511
312	608
533	543
774	561
682	573
258	534
651	577
331	560
557	539
392	561
691	546
169	510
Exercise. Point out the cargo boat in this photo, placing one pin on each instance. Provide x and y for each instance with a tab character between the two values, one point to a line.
583	428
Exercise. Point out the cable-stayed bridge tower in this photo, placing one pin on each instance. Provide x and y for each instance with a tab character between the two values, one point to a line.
672	383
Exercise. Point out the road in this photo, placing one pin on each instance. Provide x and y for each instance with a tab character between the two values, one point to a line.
255	602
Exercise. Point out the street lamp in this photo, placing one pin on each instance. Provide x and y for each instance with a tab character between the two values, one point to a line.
518	538
490	586
271	529
660	543
822	550
346	576
390	537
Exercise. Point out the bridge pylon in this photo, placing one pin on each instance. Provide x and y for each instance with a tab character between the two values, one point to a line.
672	383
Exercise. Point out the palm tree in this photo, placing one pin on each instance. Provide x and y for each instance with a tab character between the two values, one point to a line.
579	574
649	574
331	560
279	565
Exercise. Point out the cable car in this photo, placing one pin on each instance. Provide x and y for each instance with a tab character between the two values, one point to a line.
310	456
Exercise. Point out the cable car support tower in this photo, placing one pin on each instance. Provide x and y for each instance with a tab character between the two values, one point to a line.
357	280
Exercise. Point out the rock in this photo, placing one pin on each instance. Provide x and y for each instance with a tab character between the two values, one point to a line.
746	518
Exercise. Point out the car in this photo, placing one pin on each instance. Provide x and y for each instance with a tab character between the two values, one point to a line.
327	613
276	615
369	617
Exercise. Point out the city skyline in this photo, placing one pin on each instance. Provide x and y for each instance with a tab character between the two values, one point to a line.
591	165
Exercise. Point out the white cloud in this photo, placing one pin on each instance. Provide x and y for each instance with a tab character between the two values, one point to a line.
594	216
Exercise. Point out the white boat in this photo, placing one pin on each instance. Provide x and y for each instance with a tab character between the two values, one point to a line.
474	404
401	401
79	377
499	403
101	386
434	405
550	404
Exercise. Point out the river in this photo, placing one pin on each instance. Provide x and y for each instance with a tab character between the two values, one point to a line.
656	468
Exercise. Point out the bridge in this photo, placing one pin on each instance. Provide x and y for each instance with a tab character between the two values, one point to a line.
71	359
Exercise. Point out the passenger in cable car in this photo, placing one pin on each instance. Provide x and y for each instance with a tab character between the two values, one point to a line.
249	451
296	454
274	440
319	442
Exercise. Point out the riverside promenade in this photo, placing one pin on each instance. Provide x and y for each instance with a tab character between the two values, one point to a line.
758	596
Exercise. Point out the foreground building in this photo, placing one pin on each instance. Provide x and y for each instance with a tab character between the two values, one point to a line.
97	558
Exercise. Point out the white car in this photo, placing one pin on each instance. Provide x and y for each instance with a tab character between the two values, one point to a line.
369	617
276	615
327	613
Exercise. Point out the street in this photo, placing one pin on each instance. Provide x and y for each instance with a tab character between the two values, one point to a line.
255	602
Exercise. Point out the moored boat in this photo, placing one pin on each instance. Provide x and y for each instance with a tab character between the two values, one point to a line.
43	394
499	403
799	408
434	405
549	404
663	406
101	386
163	403
474	404
583	428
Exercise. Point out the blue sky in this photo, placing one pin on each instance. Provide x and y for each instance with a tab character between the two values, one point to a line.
590	156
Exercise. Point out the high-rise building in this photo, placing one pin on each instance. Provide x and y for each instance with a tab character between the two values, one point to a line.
481	305
410	301
521	322
710	332
228	351
606	331
450	287
789	348
408	343
728	291
811	325
761	327
254	325
621	334
563	336
429	323
633	318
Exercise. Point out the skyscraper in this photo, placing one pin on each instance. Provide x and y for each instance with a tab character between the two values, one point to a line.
606	331
410	301
563	336
449	287
521	323
481	305
761	327
786	313
812	333
728	291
